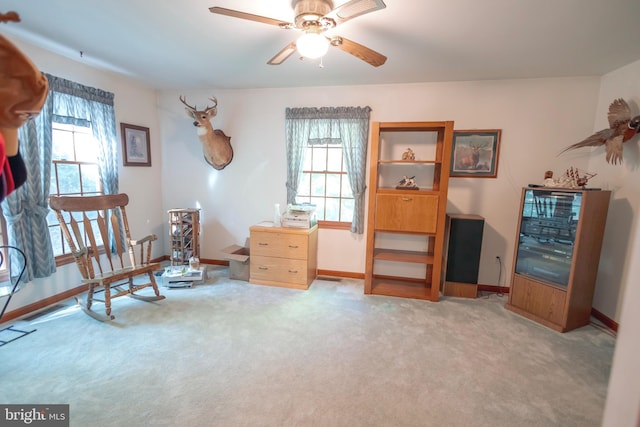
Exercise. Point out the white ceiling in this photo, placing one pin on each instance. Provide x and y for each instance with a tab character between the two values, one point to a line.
181	45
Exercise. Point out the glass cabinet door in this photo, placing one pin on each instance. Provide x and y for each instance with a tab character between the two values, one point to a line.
547	234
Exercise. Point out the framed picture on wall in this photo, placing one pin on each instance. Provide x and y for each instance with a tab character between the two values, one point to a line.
136	146
475	153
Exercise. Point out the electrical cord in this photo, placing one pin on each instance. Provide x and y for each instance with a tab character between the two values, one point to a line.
499	293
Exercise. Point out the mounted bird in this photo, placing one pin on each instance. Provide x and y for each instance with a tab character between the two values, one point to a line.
621	129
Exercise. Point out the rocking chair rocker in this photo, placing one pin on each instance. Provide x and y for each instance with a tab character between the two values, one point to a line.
86	223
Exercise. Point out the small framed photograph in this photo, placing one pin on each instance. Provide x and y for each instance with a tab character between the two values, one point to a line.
475	153
136	146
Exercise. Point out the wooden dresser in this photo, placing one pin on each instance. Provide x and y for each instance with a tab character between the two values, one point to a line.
282	256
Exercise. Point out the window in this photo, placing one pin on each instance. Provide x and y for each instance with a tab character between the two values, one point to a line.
326	162
74	172
325	183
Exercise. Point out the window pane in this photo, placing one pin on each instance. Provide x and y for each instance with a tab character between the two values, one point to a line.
306	164
63	145
319	161
333	185
325	184
304	187
319	202
53	189
96	234
332	209
334	159
303	199
69	178
56	239
86	147
317	184
96	230
90	178
92	215
74	172
346	213
51	218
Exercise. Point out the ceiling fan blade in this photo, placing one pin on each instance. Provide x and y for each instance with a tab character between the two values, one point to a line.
249	16
359	51
281	56
354	8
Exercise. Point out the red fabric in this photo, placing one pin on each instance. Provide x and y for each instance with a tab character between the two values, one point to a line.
7	185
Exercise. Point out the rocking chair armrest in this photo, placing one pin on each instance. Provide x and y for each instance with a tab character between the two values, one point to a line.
149	238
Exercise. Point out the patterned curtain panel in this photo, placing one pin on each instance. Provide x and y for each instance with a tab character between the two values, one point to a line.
26	208
354	132
351	126
297	131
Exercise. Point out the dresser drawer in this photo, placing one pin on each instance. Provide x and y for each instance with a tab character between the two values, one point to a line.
279	245
278	270
406	212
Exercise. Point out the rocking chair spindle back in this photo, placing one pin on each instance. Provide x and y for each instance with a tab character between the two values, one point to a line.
87	223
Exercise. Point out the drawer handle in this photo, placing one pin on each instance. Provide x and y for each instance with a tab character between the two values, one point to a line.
293	271
294	246
263	244
407	199
263	268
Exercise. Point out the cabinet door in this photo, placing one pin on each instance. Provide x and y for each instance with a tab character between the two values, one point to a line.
406	212
539	299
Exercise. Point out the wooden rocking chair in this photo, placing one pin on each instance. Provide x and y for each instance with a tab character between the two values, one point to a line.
85	223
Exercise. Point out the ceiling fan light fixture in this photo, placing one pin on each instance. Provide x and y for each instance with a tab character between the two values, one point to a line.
312	45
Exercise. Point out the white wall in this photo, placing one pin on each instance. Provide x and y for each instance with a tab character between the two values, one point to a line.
538	117
624	181
134	104
620	271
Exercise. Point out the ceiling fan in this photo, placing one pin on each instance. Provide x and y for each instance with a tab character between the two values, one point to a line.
313	18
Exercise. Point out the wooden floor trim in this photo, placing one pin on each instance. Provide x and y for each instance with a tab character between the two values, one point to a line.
606	321
43	303
345	274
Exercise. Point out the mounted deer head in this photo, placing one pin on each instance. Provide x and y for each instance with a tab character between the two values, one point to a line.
216	146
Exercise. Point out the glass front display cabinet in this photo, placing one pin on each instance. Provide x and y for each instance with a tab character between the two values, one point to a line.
559	239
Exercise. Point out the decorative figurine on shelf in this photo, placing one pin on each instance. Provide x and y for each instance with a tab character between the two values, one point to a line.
407	183
621	129
570	179
408	155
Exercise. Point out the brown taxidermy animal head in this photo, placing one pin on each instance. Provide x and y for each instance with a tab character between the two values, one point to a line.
216	146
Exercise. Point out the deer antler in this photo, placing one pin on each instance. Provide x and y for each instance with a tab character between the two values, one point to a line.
215	104
184	101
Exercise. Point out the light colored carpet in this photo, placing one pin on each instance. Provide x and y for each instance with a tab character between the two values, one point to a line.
228	353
